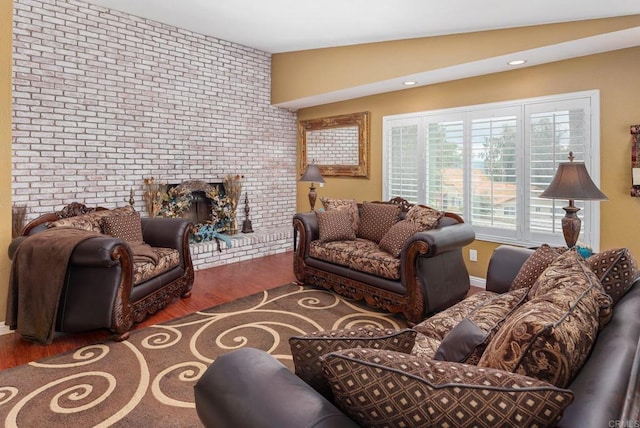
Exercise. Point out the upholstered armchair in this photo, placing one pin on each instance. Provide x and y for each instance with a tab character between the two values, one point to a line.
124	269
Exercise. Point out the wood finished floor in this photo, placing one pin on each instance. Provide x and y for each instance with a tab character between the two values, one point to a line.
211	287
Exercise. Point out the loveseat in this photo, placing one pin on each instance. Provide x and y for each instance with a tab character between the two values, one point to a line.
585	384
116	269
399	257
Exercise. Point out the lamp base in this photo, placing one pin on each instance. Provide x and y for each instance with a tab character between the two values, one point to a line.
571	224
312	196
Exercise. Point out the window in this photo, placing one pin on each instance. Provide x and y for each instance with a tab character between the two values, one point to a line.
489	163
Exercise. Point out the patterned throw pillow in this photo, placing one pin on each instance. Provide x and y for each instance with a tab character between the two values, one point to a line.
617	270
535	265
307	350
125	227
83	222
426	218
390	389
395	238
466	342
570	271
550	336
437	326
92	221
349	205
425	347
335	226
377	219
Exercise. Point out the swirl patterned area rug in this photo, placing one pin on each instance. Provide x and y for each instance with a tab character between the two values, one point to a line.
148	380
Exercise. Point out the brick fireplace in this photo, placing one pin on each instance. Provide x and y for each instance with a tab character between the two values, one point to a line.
103	99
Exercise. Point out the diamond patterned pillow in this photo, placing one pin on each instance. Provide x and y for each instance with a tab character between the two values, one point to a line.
379	388
335	226
466	342
126	227
542	257
395	238
617	269
307	350
349	205
377	219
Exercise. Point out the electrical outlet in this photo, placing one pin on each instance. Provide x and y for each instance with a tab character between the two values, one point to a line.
473	255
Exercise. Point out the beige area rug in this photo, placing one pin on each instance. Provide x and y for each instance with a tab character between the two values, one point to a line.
148	380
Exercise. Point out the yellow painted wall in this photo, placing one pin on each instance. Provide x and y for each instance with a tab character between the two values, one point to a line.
615	74
301	74
6	24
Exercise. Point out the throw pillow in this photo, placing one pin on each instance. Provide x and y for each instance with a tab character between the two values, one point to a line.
425	347
393	241
335	226
617	270
126	227
437	326
390	389
376	220
425	217
92	221
307	350
349	205
83	222
569	273
549	337
535	265
466	342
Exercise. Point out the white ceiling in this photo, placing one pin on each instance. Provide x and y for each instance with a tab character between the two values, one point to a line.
276	26
288	25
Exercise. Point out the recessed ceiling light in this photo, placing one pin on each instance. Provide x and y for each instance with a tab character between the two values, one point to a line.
409	83
517	62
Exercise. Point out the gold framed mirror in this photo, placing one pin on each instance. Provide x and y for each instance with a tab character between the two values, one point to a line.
339	145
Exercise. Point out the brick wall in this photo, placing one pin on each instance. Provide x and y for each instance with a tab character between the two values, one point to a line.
102	99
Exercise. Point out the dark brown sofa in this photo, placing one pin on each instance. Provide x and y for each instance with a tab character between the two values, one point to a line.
103	286
249	388
433	275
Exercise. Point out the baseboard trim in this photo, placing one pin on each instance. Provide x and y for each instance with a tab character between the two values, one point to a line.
478	282
4	329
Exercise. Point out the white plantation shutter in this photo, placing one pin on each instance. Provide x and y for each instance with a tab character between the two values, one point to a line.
490	163
444	164
403	161
494	138
554	130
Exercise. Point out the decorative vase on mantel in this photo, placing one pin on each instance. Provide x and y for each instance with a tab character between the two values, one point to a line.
233	222
233	190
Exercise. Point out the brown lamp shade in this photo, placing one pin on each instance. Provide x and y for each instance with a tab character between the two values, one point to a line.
572	182
312	174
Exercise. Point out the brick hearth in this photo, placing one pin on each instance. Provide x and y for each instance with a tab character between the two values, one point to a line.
243	247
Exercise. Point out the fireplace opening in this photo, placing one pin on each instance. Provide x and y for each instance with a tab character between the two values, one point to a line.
199	211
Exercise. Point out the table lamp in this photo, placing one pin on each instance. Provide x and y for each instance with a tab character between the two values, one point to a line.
312	175
572	182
